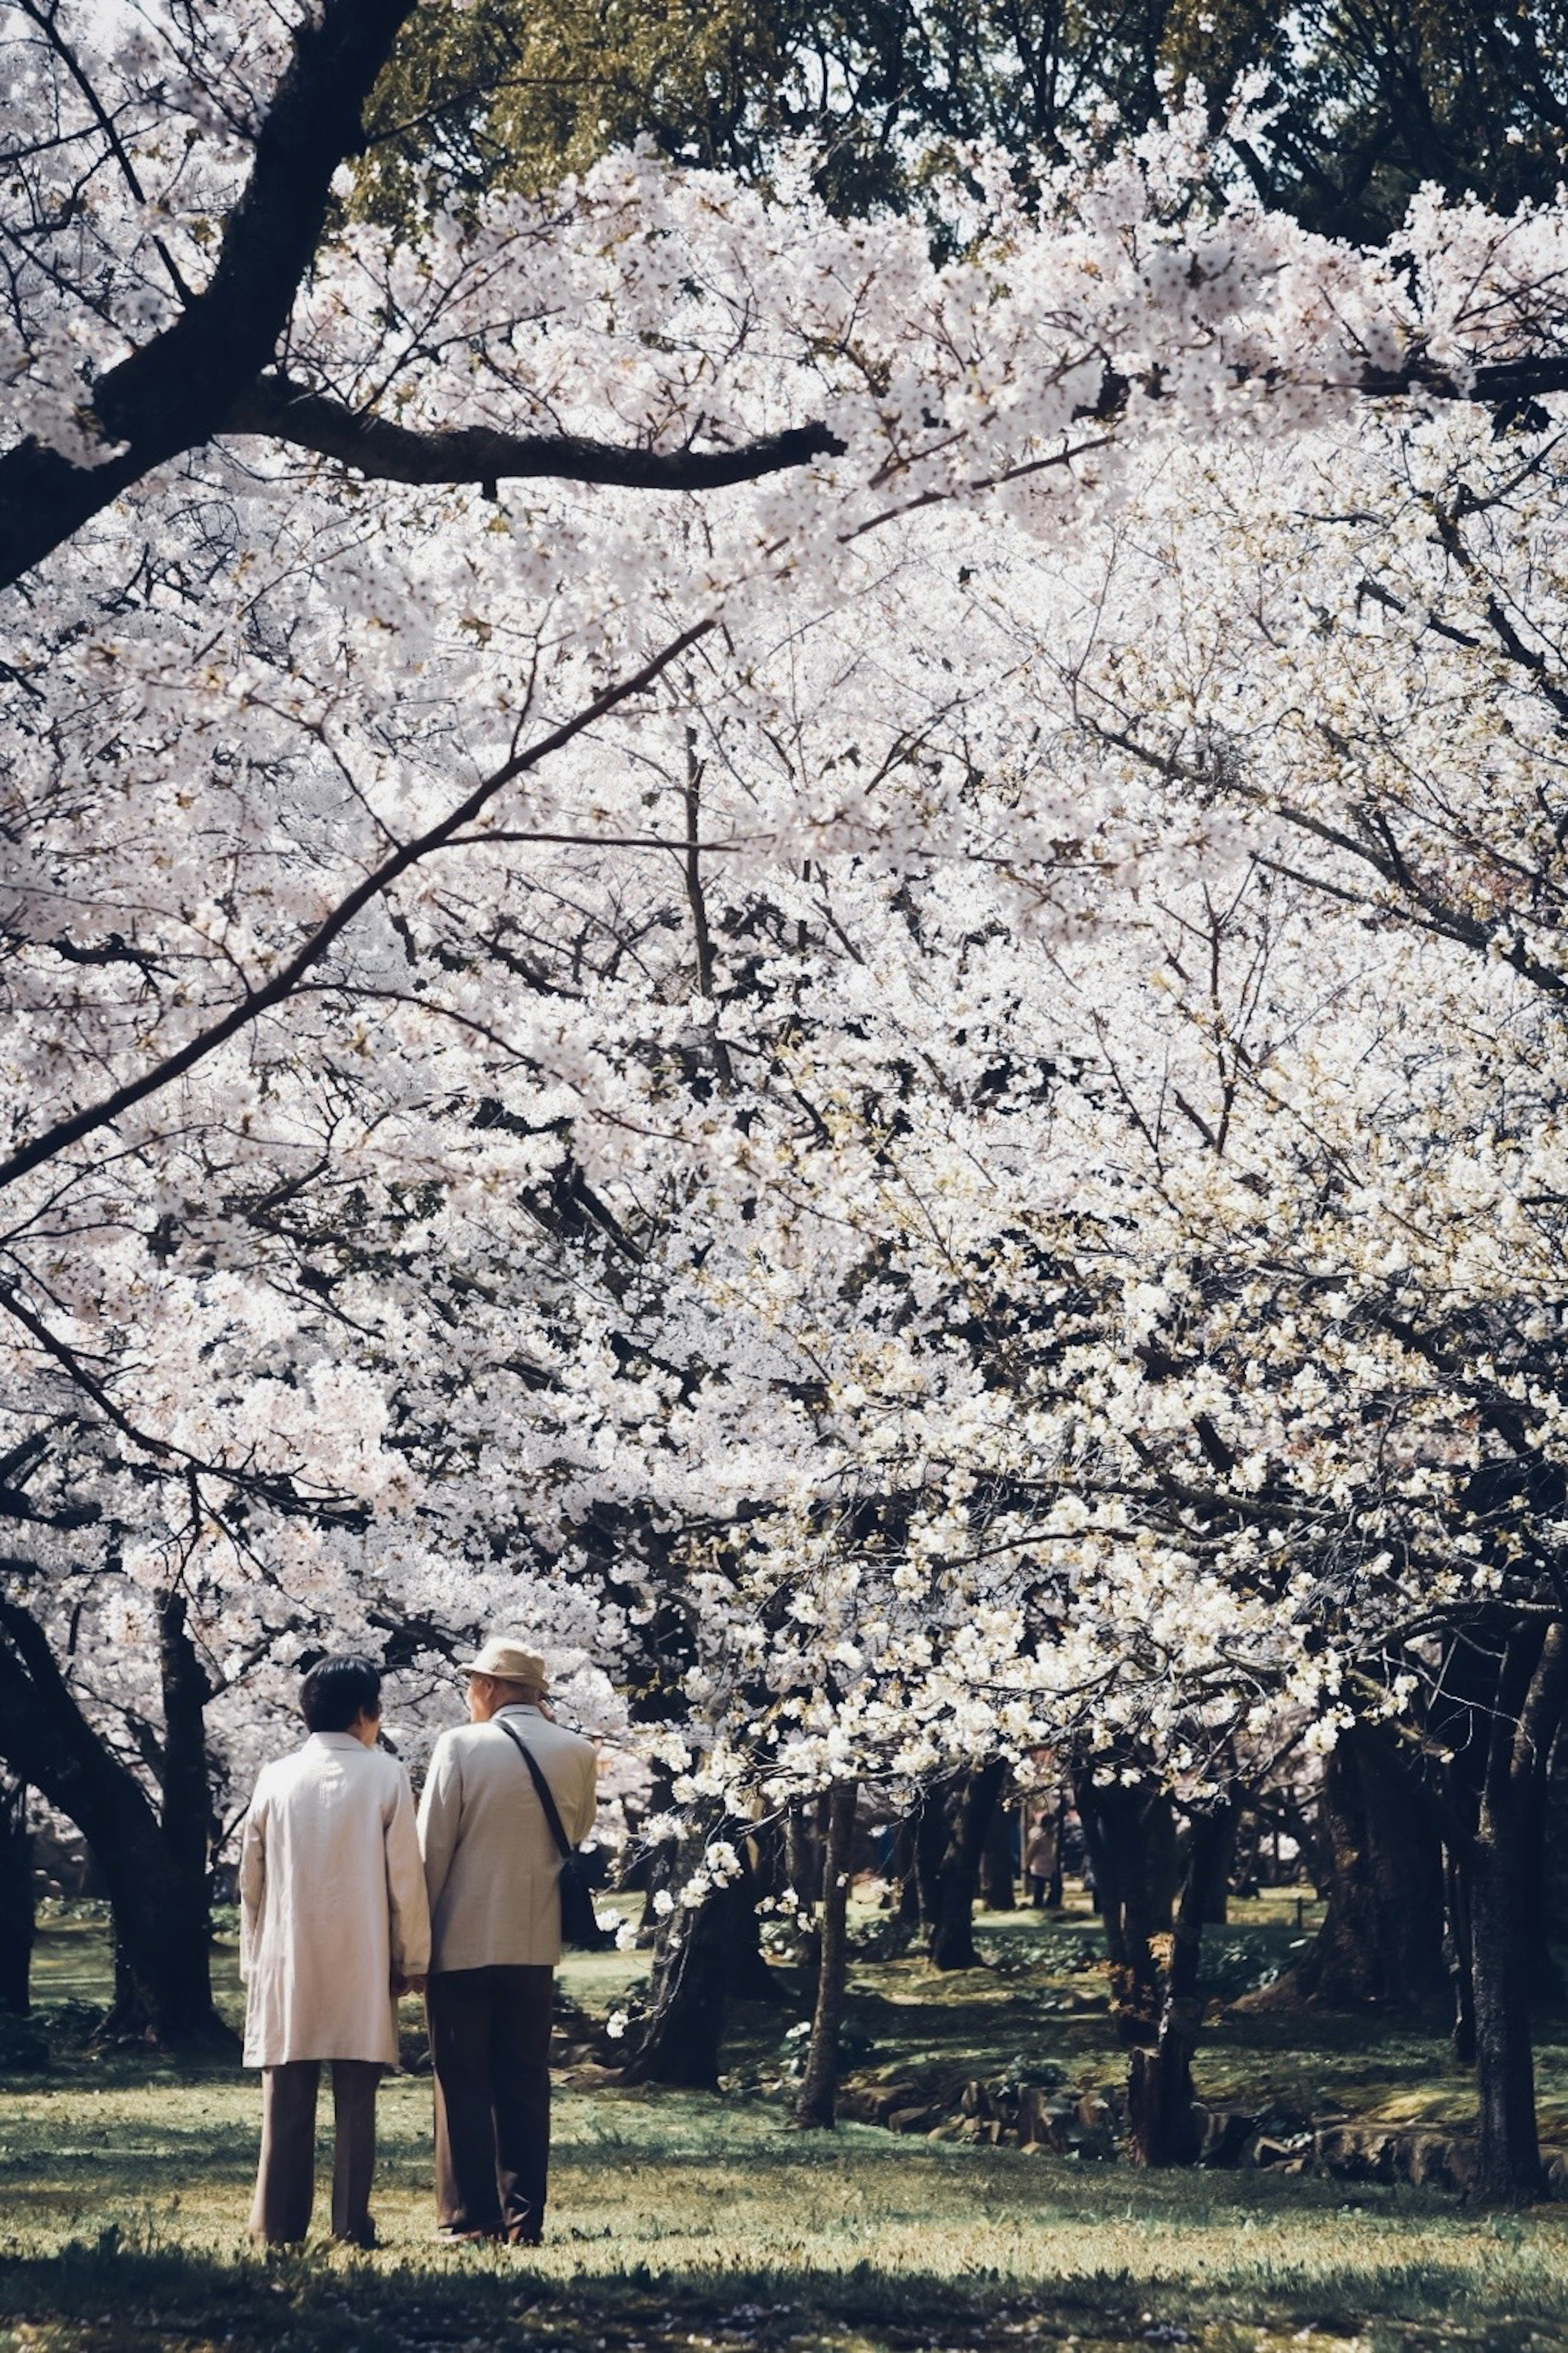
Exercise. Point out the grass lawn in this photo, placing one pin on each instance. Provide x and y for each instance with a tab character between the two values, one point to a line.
686	2222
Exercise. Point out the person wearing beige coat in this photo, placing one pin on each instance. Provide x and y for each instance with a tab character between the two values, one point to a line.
491	1867
333	1924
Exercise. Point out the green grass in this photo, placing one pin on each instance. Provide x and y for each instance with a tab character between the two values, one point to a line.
680	2222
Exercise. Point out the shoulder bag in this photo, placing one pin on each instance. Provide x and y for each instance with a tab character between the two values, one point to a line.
579	1927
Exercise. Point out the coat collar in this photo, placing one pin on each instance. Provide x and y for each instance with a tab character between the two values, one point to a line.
518	1707
334	1740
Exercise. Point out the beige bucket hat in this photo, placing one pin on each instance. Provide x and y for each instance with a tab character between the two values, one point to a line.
507	1659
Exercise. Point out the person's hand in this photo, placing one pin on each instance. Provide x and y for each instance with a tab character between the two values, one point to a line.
401	1985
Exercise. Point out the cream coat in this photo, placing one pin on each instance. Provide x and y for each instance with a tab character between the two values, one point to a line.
490	1863
331	1904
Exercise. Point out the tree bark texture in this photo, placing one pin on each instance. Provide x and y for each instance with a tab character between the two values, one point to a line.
998	1887
1129	1832
815	2102
949	1845
747	1977
1381	1860
1162	2127
157	1892
695	1959
17	1912
1531	1686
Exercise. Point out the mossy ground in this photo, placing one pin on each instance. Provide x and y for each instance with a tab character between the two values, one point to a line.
681	2220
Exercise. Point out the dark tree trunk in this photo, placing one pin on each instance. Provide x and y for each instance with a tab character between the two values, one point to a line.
1530	1700
747	1977
1217	1874
815	2102
768	1839
909	1904
998	1888
1056	1888
157	1889
1460	1959
803	1864
653	1867
697	1959
1382	1866
1162	2127
685	2020
18	1919
184	1773
962	1817
1130	1833
930	1834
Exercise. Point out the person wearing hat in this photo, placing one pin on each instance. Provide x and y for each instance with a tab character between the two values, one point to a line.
490	1866
334	1927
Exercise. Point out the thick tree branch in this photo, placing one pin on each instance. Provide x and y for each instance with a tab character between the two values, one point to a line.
173	393
282	410
396	453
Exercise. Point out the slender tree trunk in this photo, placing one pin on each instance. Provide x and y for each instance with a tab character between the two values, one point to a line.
747	1977
802	1863
909	1905
1056	1890
1460	1957
1161	2124
18	1919
998	1888
1531	1689
157	1892
815	2101
768	1838
1130	1833
964	1818
655	1866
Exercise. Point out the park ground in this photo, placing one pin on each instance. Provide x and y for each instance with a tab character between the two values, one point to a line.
700	2223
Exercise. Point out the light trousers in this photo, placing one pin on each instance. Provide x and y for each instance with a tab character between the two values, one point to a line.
285	2178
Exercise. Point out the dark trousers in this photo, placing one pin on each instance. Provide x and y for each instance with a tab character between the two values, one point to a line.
285	2178
489	2043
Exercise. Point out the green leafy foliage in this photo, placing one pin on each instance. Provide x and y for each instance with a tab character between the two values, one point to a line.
1362	106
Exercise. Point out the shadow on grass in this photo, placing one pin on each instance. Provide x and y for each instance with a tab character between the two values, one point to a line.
114	2298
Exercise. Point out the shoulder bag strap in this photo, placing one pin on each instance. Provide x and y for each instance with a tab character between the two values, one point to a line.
550	1814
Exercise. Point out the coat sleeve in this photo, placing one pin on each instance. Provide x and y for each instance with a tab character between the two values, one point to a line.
440	1810
577	1819
252	1884
407	1907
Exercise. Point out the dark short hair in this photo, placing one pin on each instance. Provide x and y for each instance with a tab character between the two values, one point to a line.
336	1691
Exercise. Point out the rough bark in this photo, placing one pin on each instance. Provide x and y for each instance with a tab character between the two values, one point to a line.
815	2102
694	1962
1163	2126
1532	1683
18	1914
747	1977
949	1844
1130	1833
157	1892
998	1888
1382	1870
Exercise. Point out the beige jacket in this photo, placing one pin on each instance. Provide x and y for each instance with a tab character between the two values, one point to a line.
331	1904
489	1860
